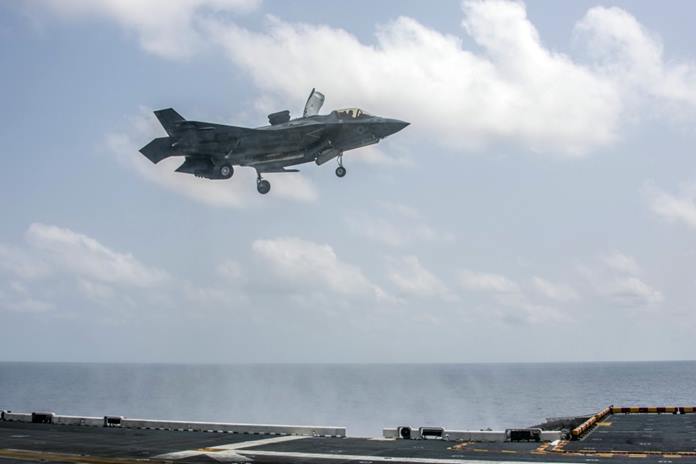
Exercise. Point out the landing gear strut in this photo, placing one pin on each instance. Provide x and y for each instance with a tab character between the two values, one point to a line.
262	185
340	170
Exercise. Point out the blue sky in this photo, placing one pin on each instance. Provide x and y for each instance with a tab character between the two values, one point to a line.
540	207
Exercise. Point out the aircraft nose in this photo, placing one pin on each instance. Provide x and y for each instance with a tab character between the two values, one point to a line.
391	126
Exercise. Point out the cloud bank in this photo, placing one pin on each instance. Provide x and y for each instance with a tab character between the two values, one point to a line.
311	265
86	257
165	28
673	207
511	88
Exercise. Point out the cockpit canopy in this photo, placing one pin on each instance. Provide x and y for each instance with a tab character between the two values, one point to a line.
352	113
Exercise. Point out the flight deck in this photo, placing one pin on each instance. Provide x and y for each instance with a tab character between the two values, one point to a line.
613	435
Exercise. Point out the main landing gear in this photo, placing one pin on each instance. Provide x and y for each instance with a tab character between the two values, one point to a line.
226	171
262	185
340	170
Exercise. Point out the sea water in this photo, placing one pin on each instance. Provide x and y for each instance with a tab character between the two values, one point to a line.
362	397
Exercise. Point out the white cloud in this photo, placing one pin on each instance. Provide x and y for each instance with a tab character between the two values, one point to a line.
313	265
621	263
487	282
519	309
236	192
400	209
616	280
510	302
209	295
389	233
633	57
93	290
396	225
412	278
21	300
554	291
631	291
86	257
56	254
26	305
377	157
231	271
513	89
22	264
164	27
679	207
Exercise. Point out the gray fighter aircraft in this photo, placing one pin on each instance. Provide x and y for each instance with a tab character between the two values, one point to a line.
212	150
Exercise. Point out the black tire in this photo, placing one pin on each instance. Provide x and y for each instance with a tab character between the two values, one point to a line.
341	171
226	171
263	186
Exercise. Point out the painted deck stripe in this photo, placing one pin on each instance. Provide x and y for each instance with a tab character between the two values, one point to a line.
227	451
351	457
254	443
179	454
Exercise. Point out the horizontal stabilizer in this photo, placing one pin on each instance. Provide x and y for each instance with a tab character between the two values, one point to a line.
158	149
169	119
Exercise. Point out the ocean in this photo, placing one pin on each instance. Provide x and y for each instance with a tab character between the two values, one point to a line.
362	397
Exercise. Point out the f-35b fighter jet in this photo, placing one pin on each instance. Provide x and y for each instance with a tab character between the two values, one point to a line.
212	150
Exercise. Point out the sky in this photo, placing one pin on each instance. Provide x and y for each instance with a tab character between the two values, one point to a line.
540	207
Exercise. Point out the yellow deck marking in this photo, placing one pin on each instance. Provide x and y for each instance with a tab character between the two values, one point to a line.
637	455
604	424
36	456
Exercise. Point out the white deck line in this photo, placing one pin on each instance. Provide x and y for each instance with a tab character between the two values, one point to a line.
353	457
179	454
253	443
226	452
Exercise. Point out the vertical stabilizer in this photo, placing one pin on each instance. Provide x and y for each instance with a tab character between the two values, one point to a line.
169	119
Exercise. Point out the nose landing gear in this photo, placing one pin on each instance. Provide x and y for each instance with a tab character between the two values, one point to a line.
262	185
340	170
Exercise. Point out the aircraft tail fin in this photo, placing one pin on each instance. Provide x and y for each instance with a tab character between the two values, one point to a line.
158	149
169	119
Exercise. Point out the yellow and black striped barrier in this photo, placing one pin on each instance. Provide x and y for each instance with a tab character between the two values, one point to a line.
585	426
654	410
592	421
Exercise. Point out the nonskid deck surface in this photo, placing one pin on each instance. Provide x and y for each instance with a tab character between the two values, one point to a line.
640	433
617	438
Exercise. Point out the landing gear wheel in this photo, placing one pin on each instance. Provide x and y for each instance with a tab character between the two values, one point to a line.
263	186
340	171
226	171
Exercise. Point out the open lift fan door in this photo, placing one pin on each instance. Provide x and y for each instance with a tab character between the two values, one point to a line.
314	102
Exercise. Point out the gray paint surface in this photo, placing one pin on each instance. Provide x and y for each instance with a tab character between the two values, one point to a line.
212	150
